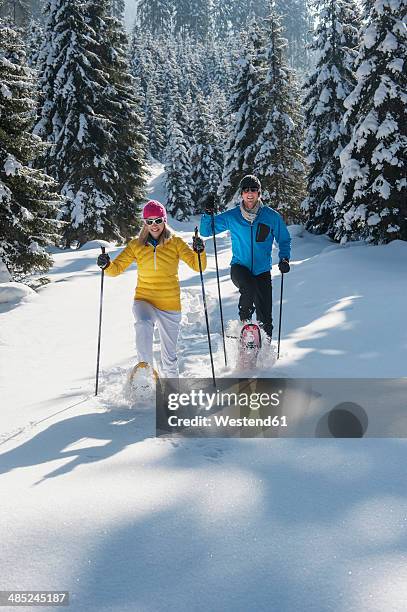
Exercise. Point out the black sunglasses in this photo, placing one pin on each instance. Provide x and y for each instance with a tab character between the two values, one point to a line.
250	190
157	221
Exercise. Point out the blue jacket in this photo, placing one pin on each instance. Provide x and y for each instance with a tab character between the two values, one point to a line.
251	243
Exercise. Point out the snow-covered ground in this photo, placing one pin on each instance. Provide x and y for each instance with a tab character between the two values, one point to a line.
92	503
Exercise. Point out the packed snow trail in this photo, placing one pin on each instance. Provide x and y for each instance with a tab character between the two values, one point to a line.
93	503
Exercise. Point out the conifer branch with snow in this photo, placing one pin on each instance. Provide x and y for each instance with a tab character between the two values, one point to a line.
335	43
28	197
372	195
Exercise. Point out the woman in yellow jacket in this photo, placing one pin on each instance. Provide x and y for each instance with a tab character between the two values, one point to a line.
157	301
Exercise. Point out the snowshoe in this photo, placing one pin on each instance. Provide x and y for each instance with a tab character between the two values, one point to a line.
249	346
143	372
141	383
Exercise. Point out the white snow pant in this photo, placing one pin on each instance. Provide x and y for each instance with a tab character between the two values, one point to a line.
168	323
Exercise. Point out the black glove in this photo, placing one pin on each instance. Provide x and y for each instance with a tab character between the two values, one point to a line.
209	205
284	266
198	244
103	261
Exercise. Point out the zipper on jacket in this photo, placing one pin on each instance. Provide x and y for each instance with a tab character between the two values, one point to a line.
155	259
251	240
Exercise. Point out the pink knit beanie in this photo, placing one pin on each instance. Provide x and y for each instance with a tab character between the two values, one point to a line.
154	209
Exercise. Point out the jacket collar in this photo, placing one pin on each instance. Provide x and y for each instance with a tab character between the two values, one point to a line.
251	215
152	241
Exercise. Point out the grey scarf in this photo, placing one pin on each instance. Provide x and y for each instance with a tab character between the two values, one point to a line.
250	215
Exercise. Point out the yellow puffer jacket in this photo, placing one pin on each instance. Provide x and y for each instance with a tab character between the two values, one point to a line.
157	281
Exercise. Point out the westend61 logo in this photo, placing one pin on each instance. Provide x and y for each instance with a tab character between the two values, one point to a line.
235	407
282	407
221	399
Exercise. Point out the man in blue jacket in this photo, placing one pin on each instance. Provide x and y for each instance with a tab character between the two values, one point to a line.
253	227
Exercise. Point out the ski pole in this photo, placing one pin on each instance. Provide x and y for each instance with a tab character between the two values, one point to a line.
100	325
219	295
206	312
281	312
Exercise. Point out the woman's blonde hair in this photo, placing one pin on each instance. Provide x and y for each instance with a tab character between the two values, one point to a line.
165	235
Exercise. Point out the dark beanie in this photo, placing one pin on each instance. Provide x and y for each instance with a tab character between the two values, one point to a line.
249	181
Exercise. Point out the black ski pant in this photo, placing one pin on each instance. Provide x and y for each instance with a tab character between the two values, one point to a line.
255	294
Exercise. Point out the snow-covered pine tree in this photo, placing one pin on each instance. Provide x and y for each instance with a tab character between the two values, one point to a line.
218	109
215	58
154	122
155	16
332	80
182	16
168	76
279	158
193	17
35	38
206	154
139	53
81	117
372	194
149	63
172	70
16	12
28	198
225	53
246	110
246	10
181	106
223	15
195	63
122	108
118	8
72	83
36	9
178	173
47	73
201	18
296	23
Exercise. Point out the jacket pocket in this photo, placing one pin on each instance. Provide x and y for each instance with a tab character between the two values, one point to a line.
262	232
